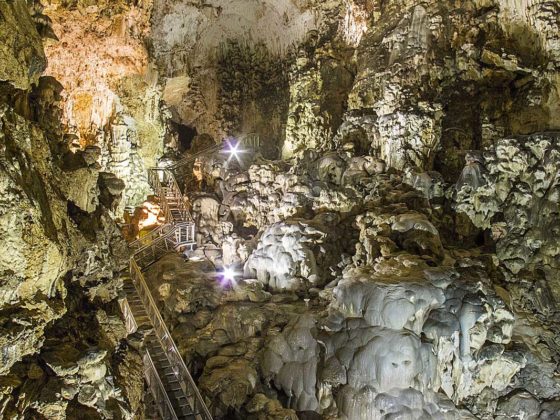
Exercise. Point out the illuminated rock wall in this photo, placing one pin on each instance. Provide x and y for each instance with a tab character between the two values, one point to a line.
399	259
111	96
63	348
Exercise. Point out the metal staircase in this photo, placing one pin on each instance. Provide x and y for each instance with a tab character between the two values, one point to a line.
171	385
190	158
167	375
173	204
251	141
170	237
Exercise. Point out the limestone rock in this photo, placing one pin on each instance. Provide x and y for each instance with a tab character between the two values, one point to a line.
291	358
22	59
62	253
285	257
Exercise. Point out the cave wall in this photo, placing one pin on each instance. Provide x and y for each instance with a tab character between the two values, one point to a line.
416	207
440	78
63	348
424	132
111	97
224	63
253	92
408	83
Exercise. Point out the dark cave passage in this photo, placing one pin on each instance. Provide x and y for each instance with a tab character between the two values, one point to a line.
185	134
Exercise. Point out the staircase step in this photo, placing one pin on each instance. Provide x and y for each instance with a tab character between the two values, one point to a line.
173	385
179	400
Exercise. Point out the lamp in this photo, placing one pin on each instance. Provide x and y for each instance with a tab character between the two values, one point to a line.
228	275
233	149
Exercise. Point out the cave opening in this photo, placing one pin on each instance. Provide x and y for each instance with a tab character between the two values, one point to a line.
185	135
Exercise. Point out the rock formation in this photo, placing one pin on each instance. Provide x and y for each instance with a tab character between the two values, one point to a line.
386	249
64	353
111	97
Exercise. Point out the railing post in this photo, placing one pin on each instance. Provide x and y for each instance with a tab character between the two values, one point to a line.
183	230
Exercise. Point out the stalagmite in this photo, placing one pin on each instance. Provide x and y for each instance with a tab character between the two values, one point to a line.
280	209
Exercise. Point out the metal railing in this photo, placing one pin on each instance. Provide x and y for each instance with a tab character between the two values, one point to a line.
177	363
151	236
129	320
180	234
165	407
157	388
179	230
184	234
172	201
251	141
190	158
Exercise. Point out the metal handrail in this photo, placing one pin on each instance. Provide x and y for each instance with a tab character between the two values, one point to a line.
151	236
167	343
251	140
182	232
150	254
177	227
191	157
172	191
157	388
150	372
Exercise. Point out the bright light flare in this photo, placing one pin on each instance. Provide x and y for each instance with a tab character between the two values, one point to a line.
228	276
149	215
234	150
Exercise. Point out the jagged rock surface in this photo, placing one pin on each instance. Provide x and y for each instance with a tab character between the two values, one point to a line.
409	313
401	261
111	97
63	347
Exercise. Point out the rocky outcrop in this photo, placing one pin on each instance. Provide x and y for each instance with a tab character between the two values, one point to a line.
320	80
385	299
19	34
399	261
514	192
285	257
63	340
437	79
111	97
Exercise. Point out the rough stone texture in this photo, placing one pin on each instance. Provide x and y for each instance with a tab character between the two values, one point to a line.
111	93
517	186
284	258
401	261
320	80
222	59
61	257
406	314
452	77
22	59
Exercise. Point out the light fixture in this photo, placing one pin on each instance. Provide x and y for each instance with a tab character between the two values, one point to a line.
228	275
233	149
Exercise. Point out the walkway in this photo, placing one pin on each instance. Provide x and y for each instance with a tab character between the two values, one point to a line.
168	378
171	385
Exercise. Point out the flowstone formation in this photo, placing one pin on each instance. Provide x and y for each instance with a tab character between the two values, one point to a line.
366	297
111	97
386	248
63	348
223	62
435	80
